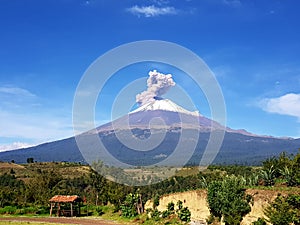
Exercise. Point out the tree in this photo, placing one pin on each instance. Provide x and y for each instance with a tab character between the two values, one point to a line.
227	199
284	210
98	184
10	190
12	171
30	160
130	206
39	189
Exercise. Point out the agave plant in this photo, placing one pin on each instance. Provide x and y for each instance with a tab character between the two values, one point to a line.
242	180
268	176
253	180
203	182
288	175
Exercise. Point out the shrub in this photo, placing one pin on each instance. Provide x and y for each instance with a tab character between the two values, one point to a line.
259	221
156	201
227	199
42	210
284	210
20	212
184	214
155	215
31	210
166	213
8	210
99	211
171	207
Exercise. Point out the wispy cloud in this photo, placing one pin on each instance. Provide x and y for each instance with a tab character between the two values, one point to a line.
14	145
152	11
13	98
288	104
16	91
25	118
37	128
161	2
233	3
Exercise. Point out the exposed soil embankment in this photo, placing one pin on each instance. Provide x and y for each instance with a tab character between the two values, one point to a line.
197	204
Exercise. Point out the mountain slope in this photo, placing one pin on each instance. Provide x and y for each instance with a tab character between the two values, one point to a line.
165	118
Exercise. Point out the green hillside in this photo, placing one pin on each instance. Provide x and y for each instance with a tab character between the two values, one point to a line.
25	189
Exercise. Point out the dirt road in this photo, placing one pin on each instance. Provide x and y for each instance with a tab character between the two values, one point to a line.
61	220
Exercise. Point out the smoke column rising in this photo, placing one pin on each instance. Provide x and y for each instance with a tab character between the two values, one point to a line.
158	84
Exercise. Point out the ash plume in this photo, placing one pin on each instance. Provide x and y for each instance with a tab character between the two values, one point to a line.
158	84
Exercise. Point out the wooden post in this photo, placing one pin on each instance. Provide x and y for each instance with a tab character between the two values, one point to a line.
51	208
71	209
79	205
58	209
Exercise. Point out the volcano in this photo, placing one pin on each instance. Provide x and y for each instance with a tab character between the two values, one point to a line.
159	121
171	116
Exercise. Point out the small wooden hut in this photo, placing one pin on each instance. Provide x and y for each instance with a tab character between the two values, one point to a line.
62	202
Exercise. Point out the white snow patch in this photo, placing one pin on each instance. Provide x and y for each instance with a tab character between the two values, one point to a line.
165	105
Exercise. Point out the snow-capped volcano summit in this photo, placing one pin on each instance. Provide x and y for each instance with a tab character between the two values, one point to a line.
238	146
165	105
169	113
159	127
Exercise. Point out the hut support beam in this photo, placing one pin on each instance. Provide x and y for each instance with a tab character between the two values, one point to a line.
51	209
71	210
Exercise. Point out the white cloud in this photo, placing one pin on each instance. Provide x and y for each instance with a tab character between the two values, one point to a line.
233	3
152	11
14	98
161	2
14	145
25	118
16	91
288	104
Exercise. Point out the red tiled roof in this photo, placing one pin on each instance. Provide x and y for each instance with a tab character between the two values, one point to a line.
65	198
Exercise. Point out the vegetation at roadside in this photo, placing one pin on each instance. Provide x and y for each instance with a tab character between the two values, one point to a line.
26	190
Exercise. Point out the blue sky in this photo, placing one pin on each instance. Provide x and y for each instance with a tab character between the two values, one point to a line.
252	47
